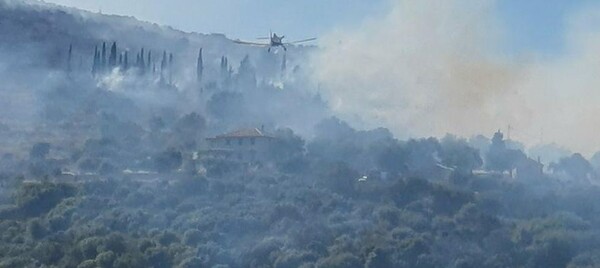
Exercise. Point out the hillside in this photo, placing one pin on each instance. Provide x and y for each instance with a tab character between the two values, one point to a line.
129	144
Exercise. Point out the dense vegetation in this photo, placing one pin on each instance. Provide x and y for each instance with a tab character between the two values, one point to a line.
109	169
309	210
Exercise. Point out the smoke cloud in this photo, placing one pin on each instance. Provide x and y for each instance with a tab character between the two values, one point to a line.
436	67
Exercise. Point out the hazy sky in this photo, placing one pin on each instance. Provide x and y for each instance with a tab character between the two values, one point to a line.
531	25
242	18
428	67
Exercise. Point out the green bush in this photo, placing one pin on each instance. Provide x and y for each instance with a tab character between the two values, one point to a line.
106	259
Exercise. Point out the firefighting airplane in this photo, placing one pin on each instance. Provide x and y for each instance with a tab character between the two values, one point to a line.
275	41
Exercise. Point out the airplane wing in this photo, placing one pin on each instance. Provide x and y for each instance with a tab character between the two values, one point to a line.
302	41
250	43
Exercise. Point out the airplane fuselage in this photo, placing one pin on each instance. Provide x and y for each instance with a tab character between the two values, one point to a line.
277	41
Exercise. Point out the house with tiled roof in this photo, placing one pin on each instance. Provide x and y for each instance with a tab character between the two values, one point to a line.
243	145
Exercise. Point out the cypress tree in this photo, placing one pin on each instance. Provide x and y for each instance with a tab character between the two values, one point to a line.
69	58
171	68
163	66
126	61
142	64
199	67
149	59
95	64
225	70
112	60
103	67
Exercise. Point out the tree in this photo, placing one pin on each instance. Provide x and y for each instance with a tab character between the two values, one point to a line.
199	67
188	129
126	61
96	64
170	68
149	59
69	58
393	159
103	67
163	66
167	161
576	166
141	63
423	157
288	150
225	72
112	59
39	150
458	154
246	76
500	158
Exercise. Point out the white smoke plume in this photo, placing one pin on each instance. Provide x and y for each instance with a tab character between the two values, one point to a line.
436	66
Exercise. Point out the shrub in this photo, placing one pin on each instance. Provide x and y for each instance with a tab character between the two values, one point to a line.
106	259
192	237
87	264
35	199
343	260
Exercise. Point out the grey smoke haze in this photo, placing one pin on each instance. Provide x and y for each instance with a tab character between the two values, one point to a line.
435	67
113	168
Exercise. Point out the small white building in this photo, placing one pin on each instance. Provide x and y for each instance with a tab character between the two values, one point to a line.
244	145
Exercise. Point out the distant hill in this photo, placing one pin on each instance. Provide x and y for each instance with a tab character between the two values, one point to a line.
36	37
38	34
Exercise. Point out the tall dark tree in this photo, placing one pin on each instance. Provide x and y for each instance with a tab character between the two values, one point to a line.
96	61
199	67
149	59
496	156
69	58
246	76
126	61
225	73
103	67
170	68
112	59
224	64
142	64
163	66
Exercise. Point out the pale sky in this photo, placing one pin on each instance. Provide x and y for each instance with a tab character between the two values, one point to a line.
532	25
242	18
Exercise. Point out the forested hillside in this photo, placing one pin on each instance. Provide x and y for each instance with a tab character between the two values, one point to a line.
122	144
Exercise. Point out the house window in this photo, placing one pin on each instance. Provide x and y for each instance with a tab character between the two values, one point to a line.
253	141
241	142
